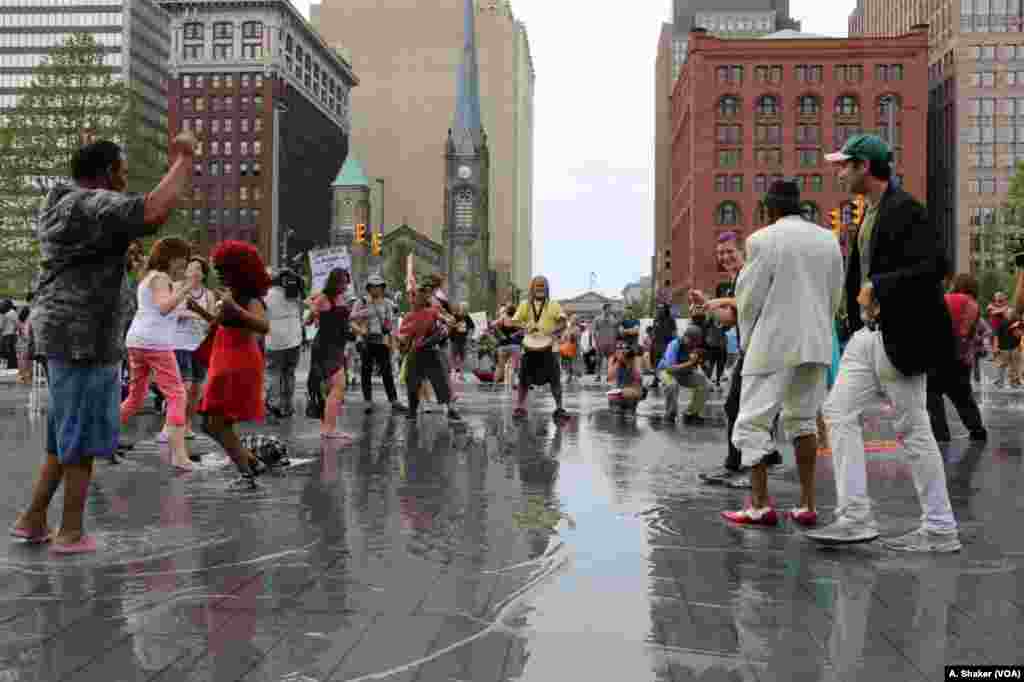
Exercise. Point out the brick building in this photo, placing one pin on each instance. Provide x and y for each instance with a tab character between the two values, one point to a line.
269	102
747	112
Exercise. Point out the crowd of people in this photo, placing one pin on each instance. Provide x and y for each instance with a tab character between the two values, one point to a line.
818	338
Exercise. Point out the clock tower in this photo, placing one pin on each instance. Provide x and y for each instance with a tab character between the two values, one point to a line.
467	180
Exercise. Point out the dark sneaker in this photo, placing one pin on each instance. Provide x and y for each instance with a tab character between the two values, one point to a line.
453	415
411	416
369	408
694	420
979	436
398	407
671	416
721	476
560	414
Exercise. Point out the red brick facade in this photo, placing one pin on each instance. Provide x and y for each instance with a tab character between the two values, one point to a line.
746	112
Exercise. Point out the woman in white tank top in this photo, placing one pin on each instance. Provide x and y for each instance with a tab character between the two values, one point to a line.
152	338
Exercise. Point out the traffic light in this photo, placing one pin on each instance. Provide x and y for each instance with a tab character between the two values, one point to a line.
361	234
836	221
375	248
858	209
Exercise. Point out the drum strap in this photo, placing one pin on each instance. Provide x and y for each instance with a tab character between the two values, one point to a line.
533	307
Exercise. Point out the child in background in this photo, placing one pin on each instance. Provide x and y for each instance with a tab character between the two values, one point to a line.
234	386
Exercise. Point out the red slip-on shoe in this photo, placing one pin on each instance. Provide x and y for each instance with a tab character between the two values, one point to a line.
31	537
803	517
748	517
85	545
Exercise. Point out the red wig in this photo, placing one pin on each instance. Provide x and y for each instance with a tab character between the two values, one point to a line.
241	268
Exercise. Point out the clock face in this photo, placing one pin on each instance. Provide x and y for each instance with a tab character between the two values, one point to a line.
465	172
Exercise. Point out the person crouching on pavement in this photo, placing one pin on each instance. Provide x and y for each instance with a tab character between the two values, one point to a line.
787	297
678	367
625	372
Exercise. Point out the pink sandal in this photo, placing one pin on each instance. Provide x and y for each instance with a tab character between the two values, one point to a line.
29	537
84	546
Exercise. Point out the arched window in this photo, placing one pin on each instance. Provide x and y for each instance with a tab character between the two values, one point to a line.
885	101
847	105
768	105
463	211
762	213
810	211
809	105
728	106
727	213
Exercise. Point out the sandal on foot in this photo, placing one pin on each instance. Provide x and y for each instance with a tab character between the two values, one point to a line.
85	545
31	537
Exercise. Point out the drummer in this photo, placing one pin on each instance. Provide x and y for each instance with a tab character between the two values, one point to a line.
540	317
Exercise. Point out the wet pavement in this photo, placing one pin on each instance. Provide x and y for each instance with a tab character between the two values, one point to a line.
504	551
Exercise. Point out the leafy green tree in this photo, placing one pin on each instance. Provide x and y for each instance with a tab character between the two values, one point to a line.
74	96
641	306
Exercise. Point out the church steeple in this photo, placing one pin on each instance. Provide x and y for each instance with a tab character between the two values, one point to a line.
467	128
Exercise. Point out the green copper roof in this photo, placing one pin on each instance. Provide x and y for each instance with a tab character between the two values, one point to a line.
351	175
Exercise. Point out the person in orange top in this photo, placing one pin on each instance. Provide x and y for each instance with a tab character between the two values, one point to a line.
423	332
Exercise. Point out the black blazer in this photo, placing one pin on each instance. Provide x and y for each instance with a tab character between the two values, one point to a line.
907	268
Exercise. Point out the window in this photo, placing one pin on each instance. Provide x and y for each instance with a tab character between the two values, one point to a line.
243	124
810	211
243	216
983	79
760	184
215	148
256	168
808	158
228	168
809	105
223	30
888	72
257	102
808	135
849	73
258	80
847	105
729	158
192	53
257	148
768	74
257	194
243	168
843	133
768	105
768	157
252	51
229	103
227	125
252	30
728	106
215	80
197	169
736	184
769	134
800	181
245	81
215	103
257	125
721	183
186	81
885	101
727	213
186	124
197	215
728	74
199	125
809	74
817	183
229	80
223	52
214	214
200	80
243	102
215	126
243	148
215	168
729	134
893	140
227	148
193	31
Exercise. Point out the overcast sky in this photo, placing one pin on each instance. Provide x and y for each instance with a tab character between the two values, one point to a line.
594	133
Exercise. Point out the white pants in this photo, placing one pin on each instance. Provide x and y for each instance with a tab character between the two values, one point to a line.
865	371
797	391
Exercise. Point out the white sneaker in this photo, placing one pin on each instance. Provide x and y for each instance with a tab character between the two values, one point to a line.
922	540
844	531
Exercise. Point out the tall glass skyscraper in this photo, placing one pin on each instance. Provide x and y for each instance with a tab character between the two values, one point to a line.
135	33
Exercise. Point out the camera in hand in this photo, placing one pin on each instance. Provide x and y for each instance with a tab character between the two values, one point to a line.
292	284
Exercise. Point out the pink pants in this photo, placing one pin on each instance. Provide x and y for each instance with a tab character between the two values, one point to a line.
164	367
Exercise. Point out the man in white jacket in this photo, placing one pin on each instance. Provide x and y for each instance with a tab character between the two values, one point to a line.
787	295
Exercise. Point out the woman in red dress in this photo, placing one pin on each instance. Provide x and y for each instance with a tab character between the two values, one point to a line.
234	386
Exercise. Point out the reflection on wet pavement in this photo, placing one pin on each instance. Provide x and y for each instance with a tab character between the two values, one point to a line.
503	551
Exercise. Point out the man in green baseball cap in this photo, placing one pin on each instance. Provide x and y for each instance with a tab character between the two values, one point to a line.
902	344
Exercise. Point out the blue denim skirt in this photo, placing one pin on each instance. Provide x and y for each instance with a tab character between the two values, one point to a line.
84	412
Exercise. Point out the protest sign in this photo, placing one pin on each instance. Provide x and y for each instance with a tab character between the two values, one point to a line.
322	261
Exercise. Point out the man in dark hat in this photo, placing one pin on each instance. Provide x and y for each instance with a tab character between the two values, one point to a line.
374	321
895	277
786	297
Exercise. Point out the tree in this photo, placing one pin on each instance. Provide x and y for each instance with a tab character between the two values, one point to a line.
74	96
641	306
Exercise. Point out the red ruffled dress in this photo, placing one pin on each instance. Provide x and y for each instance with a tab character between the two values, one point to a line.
234	384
